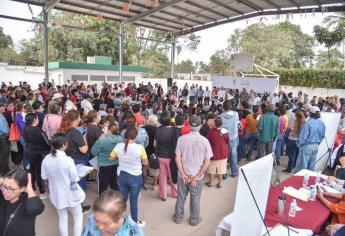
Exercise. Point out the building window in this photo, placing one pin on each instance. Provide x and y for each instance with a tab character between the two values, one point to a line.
97	78
80	77
113	78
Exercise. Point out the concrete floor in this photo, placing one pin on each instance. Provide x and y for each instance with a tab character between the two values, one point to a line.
215	204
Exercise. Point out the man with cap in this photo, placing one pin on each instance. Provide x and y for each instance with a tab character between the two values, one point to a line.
4	144
193	154
311	135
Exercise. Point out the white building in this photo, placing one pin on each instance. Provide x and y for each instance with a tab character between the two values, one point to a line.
63	71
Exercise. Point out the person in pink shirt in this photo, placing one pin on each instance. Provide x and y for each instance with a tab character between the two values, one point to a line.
283	124
52	121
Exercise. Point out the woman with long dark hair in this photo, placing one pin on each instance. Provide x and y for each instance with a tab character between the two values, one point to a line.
131	157
37	146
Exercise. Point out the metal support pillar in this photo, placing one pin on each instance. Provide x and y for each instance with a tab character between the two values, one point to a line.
45	43
121	51
172	62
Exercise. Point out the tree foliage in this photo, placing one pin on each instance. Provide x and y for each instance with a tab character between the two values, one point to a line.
329	38
72	44
336	62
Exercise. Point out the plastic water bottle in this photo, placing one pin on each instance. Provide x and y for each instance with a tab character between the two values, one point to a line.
281	204
313	194
318	177
305	180
293	208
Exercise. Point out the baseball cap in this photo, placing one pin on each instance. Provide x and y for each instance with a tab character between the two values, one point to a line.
194	121
314	109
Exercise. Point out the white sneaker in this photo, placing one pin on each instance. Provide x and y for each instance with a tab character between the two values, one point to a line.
44	196
141	224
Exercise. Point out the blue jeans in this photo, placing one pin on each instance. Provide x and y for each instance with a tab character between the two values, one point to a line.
130	185
233	158
85	161
240	148
306	157
279	146
292	152
251	137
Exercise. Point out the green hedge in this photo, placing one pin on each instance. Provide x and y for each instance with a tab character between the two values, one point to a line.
315	78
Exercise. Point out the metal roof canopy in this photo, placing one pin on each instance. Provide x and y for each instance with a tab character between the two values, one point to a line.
186	16
180	17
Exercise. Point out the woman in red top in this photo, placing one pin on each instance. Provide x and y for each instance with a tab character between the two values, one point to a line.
241	132
219	139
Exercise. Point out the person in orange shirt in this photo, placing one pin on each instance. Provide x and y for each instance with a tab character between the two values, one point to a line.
185	129
338	209
140	119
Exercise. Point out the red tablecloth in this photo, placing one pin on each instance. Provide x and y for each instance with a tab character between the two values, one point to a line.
313	215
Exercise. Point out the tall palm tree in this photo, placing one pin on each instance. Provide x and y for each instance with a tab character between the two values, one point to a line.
338	21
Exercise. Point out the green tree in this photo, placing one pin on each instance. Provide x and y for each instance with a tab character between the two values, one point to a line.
322	60
185	66
329	38
220	62
274	46
5	40
201	67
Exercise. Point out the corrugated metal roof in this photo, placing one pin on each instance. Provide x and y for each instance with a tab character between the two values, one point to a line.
186	16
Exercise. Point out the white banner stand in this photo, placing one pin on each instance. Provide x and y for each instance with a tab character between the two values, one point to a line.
258	174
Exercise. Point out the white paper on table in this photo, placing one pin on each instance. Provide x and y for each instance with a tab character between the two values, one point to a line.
291	191
298	208
83	170
94	162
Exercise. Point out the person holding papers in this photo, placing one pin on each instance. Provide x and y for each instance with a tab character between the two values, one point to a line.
65	194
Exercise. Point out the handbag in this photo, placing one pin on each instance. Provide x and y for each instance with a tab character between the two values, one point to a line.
14	133
153	161
11	219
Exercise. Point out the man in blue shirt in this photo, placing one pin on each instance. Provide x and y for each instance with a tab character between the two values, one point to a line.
311	135
4	144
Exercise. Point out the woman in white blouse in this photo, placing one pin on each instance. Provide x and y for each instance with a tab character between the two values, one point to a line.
65	194
131	157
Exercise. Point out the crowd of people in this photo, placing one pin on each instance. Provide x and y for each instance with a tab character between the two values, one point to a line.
142	138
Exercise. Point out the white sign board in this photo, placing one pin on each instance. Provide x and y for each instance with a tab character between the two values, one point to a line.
242	62
331	121
246	218
259	85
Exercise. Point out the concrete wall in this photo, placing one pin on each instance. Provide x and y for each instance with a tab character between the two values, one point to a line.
32	75
319	92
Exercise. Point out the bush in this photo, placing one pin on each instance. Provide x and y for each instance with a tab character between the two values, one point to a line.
315	78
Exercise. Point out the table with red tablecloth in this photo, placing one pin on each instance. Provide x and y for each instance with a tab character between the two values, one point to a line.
312	216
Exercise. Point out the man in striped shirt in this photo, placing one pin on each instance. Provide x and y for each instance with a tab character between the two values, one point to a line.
193	154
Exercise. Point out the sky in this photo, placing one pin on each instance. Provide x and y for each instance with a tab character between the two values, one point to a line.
212	39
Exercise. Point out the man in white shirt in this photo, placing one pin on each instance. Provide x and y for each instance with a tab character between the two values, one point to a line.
86	104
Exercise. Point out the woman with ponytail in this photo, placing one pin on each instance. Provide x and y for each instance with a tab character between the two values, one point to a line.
61	173
131	157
